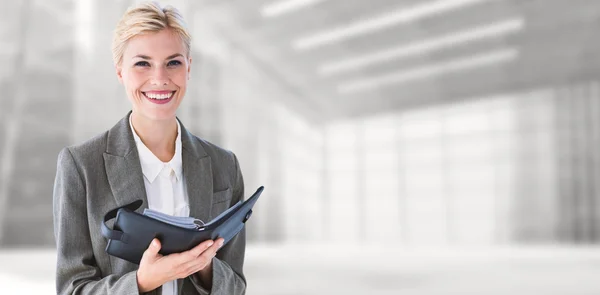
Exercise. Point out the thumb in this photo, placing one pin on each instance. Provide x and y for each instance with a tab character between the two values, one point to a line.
153	248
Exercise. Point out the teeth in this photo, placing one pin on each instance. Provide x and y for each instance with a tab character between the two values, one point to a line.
159	96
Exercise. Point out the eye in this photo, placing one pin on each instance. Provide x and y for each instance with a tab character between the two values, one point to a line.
142	64
173	63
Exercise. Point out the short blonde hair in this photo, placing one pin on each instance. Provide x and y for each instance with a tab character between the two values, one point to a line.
148	17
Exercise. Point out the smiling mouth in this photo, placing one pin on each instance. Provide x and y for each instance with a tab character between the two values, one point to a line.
158	96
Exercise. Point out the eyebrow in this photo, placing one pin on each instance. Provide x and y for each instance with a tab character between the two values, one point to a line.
149	58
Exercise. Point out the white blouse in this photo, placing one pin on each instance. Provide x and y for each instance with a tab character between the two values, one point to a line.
165	185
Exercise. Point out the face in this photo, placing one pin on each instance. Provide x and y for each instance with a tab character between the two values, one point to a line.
154	71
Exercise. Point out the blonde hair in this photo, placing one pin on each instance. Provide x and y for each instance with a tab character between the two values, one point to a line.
148	17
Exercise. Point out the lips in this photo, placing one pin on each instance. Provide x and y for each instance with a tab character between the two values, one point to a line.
159	96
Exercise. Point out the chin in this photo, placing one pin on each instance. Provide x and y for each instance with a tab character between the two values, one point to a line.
158	112
161	116
158	115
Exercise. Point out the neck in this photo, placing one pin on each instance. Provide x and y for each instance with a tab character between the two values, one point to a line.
158	136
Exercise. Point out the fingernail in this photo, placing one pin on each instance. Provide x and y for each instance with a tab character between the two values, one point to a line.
154	243
210	244
220	244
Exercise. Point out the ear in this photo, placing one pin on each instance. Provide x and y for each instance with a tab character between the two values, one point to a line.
119	72
189	68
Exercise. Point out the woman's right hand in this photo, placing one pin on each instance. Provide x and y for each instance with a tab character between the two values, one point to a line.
156	269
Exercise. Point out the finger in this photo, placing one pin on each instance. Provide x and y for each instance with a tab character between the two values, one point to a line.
200	248
199	262
186	256
154	246
152	250
210	252
198	267
205	257
219	242
197	258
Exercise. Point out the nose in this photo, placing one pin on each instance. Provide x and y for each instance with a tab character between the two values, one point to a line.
160	76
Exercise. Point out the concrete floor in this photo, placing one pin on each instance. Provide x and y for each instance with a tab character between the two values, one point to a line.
374	270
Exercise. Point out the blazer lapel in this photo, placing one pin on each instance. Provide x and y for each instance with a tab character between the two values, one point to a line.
198	176
122	164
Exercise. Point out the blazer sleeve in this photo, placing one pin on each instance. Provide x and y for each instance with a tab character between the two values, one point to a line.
228	275
76	270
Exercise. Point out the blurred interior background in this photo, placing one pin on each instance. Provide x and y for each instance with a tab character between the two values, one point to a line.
406	146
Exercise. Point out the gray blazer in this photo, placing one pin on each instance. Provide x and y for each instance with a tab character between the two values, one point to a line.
104	173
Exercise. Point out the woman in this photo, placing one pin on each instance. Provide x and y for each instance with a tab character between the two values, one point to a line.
147	155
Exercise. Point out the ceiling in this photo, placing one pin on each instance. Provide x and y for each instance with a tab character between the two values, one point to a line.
420	52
